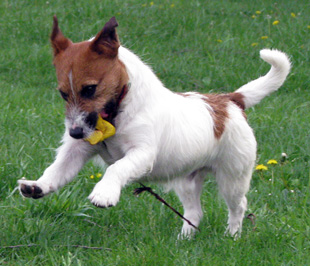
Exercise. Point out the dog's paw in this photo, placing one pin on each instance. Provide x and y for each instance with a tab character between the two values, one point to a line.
188	232
234	230
105	194
30	189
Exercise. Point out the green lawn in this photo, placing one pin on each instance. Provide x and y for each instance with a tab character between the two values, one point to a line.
191	45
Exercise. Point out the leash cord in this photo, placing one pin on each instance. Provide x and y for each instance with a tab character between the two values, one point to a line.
143	188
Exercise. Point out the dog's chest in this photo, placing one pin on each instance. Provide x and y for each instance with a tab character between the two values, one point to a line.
112	150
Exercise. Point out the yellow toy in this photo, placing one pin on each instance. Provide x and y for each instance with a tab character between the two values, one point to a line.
104	130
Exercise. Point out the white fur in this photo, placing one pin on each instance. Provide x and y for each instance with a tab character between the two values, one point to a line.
168	138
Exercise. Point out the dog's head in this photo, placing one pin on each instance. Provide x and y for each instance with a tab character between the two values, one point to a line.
91	78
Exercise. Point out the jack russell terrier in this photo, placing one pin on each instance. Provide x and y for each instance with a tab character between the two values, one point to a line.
174	139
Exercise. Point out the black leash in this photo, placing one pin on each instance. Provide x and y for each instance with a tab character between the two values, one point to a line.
143	188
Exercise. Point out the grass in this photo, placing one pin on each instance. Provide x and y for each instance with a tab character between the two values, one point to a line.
191	45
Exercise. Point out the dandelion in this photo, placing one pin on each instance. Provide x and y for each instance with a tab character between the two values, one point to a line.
276	22
219	40
92	177
293	15
272	162
261	167
253	16
172	5
254	44
264	37
98	175
152	3
308	26
258	12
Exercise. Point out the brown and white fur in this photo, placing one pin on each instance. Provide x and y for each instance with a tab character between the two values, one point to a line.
170	138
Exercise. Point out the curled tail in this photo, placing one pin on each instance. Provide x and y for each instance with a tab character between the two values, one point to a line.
254	91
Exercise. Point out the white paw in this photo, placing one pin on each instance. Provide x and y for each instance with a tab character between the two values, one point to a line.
234	229
105	194
187	232
32	189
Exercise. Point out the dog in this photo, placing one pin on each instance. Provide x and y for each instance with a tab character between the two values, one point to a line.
174	139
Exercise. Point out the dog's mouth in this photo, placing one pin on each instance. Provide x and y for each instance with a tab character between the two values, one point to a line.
111	108
102	130
85	127
109	111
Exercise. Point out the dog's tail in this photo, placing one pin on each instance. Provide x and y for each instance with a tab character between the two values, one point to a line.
254	91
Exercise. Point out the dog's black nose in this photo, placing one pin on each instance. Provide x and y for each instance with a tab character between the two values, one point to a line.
76	133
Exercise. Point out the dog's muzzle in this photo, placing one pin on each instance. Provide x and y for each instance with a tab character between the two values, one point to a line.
78	131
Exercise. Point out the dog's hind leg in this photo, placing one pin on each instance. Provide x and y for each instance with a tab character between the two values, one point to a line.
234	165
188	189
234	188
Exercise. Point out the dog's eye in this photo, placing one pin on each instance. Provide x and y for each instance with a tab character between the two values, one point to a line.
64	95
88	91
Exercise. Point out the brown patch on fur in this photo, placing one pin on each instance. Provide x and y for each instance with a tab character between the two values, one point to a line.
238	99
218	103
219	113
89	63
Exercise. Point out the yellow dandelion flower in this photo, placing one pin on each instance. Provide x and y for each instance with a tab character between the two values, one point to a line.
293	15
264	37
253	16
92	177
152	3
308	26
272	161
254	44
276	22
261	167
219	40
172	5
98	175
258	12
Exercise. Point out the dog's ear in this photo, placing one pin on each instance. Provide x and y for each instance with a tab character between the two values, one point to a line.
106	41
58	40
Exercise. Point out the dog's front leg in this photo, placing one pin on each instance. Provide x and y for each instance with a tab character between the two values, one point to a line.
135	164
71	156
